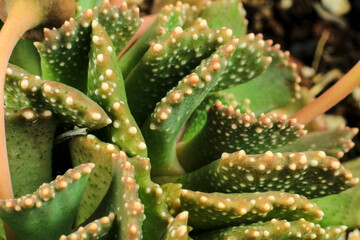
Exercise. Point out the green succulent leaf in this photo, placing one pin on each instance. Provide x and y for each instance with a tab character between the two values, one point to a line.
216	210
275	229
167	62
26	56
171	114
227	130
163	126
175	84
70	106
225	13
83	5
151	195
168	19
311	174
93	231
248	61
64	51
106	87
278	85
2	232
343	208
29	140
91	149
85	149
338	141
122	199
50	211
199	116
178	228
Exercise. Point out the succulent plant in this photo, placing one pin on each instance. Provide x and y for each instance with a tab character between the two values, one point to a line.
184	142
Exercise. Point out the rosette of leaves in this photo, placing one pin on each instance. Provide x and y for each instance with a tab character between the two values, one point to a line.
187	106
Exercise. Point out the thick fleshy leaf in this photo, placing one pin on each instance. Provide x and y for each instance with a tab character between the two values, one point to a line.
178	228
151	195
2	232
122	199
170	115
227	130
248	61
85	149
50	211
311	174
276	87
70	106
275	229
26	56
93	231
29	141
168	19
167	62
334	142
216	210
225	13
91	149
199	116
83	5
65	50
106	87
343	208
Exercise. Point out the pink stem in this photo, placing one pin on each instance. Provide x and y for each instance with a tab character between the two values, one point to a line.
331	97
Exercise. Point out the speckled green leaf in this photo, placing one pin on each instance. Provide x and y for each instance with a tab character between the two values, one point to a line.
276	87
26	56
333	142
151	195
122	199
65	50
225	13
69	105
95	230
170	115
82	5
178	228
311	174
50	211
168	19
216	210
167	62
106	87
29	140
85	149
248	61
227	130
275	230
343	208
198	118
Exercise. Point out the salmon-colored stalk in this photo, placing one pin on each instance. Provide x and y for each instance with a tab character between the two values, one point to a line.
14	27
331	97
20	16
17	23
